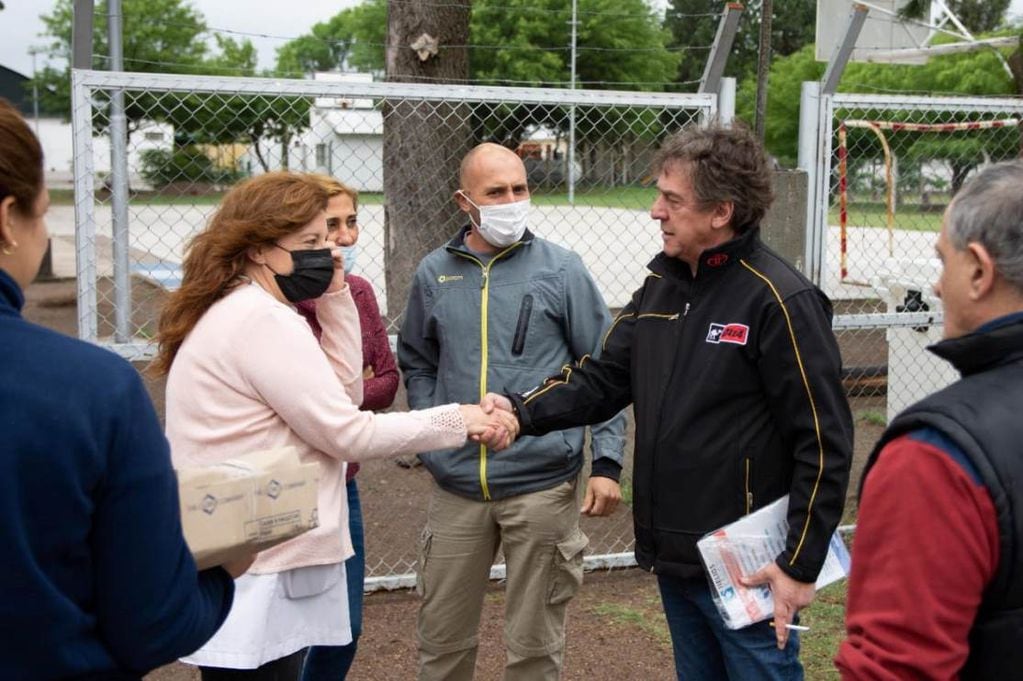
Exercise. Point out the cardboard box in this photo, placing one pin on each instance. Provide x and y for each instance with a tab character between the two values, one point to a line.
248	504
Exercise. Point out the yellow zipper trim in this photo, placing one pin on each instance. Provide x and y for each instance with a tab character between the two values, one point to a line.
620	317
813	409
551	384
484	302
623	315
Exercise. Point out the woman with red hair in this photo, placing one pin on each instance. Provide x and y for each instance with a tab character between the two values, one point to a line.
246	373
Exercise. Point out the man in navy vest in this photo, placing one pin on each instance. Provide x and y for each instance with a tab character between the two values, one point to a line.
936	590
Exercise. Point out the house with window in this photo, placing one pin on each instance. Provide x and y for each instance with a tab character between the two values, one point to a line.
346	136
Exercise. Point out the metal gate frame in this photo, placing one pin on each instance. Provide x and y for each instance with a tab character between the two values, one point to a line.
707	106
816	134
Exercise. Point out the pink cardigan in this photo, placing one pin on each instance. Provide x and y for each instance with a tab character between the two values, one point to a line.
251	376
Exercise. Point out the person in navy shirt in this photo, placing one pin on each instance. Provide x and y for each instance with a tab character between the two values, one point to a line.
96	581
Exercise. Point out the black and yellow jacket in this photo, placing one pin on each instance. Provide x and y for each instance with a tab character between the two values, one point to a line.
734	375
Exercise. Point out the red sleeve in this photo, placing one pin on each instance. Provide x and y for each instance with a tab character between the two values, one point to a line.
379	391
926	546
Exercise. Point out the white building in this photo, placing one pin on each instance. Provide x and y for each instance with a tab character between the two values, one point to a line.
58	151
346	136
345	139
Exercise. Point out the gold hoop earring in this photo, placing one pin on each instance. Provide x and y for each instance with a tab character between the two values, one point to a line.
7	250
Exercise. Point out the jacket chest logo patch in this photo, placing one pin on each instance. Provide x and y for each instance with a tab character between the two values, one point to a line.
737	334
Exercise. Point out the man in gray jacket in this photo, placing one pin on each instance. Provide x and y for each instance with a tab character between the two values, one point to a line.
500	309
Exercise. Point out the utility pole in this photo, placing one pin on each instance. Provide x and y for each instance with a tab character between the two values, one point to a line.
119	184
763	67
34	50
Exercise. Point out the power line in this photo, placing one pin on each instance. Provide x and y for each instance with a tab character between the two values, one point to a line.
469	46
541	10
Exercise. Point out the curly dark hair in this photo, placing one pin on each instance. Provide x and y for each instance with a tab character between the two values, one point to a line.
723	164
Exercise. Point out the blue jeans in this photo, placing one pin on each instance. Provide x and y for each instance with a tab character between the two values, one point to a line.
330	663
706	650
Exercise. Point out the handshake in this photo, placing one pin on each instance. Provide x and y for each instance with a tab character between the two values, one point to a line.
492	422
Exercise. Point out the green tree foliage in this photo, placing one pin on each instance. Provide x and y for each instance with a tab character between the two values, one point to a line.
693	24
620	42
781	131
974	73
977	15
351	39
161	36
620	45
158	36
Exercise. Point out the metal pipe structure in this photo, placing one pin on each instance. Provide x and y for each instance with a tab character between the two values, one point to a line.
878	128
119	184
763	68
571	110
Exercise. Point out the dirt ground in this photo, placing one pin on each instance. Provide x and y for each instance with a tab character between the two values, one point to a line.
616	628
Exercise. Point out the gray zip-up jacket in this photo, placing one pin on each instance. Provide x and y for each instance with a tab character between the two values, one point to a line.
473	326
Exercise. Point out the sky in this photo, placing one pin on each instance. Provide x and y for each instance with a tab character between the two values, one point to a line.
20	25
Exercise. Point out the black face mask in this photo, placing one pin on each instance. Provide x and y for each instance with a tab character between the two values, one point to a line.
310	277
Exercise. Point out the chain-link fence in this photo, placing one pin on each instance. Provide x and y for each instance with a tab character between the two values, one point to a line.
190	138
890	168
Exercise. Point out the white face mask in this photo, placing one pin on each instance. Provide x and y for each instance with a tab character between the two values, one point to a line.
502	224
348	254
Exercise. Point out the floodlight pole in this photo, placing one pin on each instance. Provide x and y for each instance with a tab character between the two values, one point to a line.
571	109
721	48
34	50
843	51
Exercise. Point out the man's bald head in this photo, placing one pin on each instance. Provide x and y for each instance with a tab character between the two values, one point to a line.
483	156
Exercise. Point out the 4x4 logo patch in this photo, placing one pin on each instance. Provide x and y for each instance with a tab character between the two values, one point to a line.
728	333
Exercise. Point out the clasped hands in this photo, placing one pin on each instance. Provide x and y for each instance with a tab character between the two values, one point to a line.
492	422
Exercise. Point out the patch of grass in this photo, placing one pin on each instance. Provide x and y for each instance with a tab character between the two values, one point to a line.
632	198
62	197
874	418
649	621
907	218
826	619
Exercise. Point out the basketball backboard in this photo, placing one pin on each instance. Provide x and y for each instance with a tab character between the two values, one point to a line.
882	31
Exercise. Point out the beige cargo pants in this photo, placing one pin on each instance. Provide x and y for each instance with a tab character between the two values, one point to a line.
543	547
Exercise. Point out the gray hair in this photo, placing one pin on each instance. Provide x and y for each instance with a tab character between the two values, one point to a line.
724	164
989	211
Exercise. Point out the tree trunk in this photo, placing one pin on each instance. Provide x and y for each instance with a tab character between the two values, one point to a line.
424	141
259	155
960	170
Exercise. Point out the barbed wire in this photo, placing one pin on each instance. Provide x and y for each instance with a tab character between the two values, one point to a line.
544	10
470	46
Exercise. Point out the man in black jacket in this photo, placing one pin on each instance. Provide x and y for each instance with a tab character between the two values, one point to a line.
726	353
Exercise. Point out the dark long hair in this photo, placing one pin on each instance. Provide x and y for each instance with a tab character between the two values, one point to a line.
21	160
